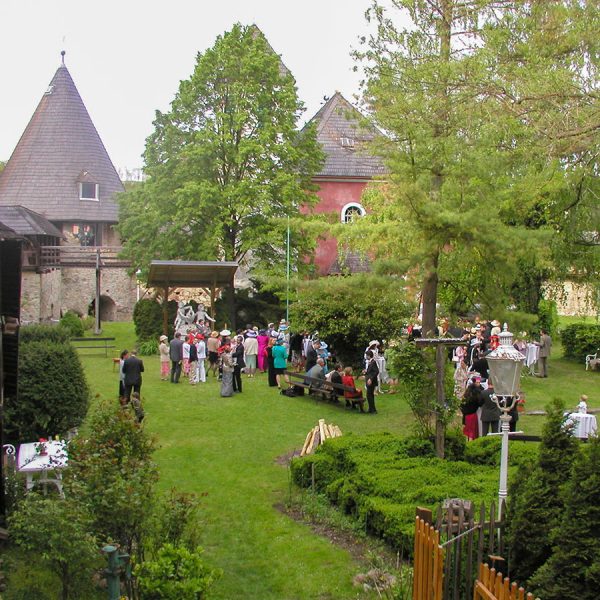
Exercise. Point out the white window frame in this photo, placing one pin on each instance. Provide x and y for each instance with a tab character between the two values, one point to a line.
360	207
81	197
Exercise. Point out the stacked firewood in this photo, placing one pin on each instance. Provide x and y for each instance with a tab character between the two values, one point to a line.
317	435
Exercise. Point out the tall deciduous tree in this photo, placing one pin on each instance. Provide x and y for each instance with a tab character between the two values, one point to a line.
226	164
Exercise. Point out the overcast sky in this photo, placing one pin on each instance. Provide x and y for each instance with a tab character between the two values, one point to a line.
127	57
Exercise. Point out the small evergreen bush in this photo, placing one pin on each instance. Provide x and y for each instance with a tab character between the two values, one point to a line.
52	396
148	320
72	323
580	340
43	333
548	316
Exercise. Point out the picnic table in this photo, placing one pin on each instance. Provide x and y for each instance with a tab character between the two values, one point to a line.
43	459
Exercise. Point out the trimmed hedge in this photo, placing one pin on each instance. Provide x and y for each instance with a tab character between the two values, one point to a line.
52	396
73	324
580	340
382	478
46	333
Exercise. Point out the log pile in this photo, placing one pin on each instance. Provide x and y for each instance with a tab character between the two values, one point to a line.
317	435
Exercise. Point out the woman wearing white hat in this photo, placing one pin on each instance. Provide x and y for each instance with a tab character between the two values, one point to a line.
165	360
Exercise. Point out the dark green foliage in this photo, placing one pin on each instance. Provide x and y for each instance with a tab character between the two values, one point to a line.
548	316
579	340
148	320
73	324
176	574
536	504
256	307
56	533
43	333
348	312
381	478
52	396
573	570
486	451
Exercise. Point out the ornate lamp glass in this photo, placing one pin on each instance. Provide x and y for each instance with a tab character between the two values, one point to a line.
505	363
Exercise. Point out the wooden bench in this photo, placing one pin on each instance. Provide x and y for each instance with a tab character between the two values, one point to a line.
100	343
324	388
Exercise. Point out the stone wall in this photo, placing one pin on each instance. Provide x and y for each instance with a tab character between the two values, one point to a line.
79	290
573	299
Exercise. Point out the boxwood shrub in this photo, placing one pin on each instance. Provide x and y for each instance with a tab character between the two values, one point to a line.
382	478
52	395
46	333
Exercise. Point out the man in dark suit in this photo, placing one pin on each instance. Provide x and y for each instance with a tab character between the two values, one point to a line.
176	356
133	368
371	380
311	355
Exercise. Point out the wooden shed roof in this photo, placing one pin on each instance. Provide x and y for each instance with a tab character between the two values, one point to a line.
190	273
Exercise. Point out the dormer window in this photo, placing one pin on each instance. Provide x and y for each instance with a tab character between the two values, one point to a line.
347	142
352	211
88	191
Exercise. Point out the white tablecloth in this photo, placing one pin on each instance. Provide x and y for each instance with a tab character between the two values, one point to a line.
532	354
584	425
31	461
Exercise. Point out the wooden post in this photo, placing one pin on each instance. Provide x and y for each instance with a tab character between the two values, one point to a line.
97	301
440	345
165	308
440	428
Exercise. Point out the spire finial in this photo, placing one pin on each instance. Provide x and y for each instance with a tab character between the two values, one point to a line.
62	54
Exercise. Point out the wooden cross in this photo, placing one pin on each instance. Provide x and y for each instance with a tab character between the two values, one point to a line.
440	362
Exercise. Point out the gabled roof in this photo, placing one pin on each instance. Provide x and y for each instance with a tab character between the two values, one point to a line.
348	263
26	222
59	144
344	135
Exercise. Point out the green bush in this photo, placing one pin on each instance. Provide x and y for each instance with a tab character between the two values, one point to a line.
579	340
175	574
348	312
72	323
148	320
52	396
43	333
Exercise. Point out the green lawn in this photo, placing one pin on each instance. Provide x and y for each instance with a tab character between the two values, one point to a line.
227	448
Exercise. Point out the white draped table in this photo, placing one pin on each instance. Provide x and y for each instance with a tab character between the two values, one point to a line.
584	425
31	461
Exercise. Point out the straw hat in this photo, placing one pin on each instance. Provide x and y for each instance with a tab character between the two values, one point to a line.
163	338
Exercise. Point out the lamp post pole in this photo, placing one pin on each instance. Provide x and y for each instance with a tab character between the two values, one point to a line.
505	363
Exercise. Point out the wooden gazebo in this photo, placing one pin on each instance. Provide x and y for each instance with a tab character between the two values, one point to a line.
166	274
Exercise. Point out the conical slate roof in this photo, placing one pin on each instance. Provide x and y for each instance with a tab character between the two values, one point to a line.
59	150
344	136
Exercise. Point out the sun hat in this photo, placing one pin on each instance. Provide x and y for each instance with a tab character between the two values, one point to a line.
214	334
274	334
282	327
251	333
163	338
225	332
495	323
373	343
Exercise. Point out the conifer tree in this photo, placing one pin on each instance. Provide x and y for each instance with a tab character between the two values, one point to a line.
573	570
536	504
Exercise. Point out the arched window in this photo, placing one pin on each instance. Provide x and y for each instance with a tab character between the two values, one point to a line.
352	211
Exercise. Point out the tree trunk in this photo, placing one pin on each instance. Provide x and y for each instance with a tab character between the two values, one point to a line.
230	297
429	298
440	400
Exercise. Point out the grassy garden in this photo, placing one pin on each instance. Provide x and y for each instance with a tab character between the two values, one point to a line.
233	451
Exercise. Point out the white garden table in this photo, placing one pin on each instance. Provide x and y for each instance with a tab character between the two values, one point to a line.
32	460
584	424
